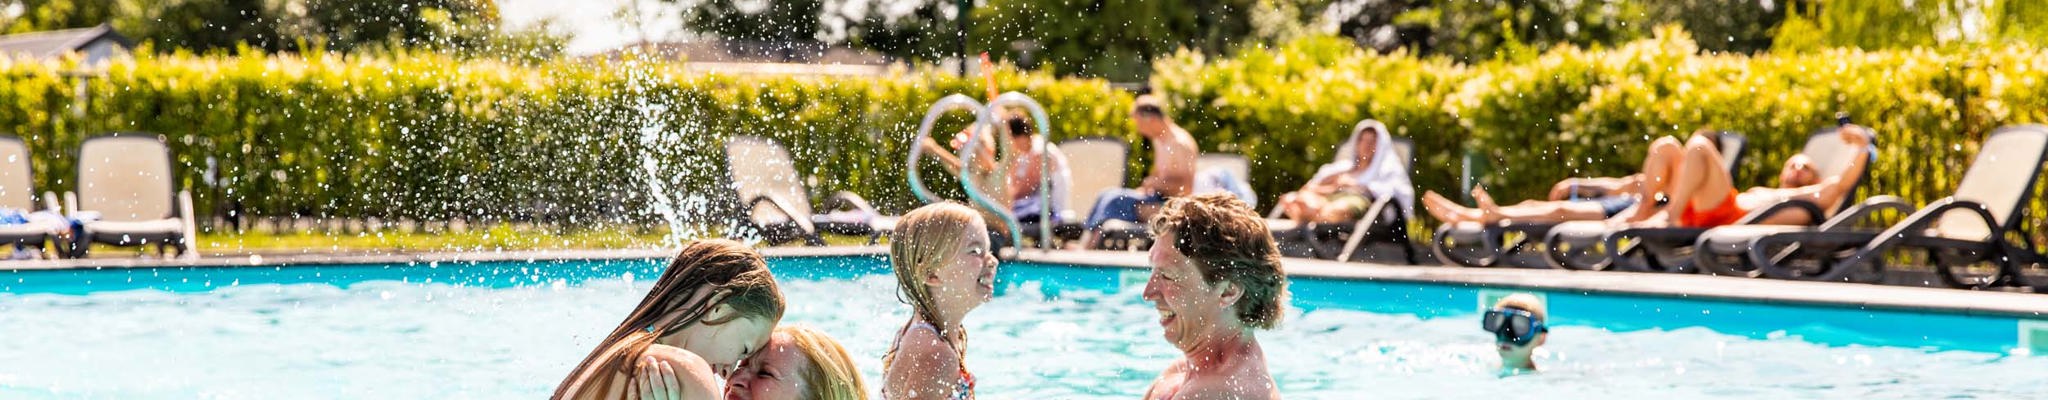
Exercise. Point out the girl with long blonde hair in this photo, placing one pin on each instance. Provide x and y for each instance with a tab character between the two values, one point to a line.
944	269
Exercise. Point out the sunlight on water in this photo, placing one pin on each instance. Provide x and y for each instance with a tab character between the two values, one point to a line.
389	339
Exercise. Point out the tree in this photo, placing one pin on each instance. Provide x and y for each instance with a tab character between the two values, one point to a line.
1111	39
771	21
466	26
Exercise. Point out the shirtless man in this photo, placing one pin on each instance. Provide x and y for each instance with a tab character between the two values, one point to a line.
1216	280
1173	168
1702	195
1620	200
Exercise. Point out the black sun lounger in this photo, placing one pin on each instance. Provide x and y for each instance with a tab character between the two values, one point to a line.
1671	249
1967	228
1382	224
1482	245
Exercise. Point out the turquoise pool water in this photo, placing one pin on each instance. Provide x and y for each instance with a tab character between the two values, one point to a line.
511	330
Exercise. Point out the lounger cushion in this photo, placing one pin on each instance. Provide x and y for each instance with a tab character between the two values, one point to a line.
885	223
138	228
1281	225
30	232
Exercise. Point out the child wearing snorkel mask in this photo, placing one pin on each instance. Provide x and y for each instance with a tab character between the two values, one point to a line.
1516	322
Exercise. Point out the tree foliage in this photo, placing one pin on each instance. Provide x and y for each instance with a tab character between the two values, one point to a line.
782	21
465	26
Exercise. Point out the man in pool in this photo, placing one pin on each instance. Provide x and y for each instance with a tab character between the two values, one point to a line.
1216	279
1516	322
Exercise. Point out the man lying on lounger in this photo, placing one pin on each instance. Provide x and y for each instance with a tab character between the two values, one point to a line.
1574	199
1689	174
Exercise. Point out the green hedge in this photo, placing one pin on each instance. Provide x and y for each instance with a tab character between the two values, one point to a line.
1574	112
423	137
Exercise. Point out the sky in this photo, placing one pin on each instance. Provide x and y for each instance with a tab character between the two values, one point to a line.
592	23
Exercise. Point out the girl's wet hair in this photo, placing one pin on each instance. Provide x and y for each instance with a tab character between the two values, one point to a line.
925	240
705	274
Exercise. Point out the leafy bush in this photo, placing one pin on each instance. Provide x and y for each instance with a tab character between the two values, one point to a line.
1573	112
428	137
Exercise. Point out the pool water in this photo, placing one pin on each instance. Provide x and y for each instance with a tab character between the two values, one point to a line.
512	330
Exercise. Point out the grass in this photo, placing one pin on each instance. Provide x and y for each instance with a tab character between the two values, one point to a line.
495	238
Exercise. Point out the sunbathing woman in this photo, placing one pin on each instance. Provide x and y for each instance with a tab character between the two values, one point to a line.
799	363
1342	191
712	307
944	269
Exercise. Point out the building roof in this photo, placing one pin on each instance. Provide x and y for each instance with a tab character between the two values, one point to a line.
55	43
741	51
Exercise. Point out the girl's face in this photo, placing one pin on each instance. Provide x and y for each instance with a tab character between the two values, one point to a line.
968	277
774	374
722	345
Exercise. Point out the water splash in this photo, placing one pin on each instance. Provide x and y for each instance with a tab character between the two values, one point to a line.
664	153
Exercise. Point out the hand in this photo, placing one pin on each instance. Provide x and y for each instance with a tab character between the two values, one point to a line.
657	381
1563	189
932	146
960	140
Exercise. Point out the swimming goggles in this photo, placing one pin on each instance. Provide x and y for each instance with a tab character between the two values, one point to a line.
1513	326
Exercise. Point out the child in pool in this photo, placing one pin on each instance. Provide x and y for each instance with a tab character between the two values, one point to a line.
1516	322
944	269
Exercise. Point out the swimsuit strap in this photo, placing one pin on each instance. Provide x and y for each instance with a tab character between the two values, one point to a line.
963	388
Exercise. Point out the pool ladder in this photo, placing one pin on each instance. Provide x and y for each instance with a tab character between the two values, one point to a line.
984	121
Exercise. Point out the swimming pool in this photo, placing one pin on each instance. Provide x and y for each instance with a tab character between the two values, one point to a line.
512	329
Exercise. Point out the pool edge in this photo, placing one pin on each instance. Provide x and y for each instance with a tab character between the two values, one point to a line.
1827	294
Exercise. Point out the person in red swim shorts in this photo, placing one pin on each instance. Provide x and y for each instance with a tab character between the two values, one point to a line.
1700	193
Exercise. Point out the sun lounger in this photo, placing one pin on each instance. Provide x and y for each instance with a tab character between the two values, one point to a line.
127	195
1671	249
1381	224
1969	227
775	204
1135	235
17	191
1095	164
1486	245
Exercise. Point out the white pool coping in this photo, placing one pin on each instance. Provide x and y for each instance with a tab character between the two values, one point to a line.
1831	294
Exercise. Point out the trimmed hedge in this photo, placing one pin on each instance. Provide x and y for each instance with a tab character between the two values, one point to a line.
1574	112
424	137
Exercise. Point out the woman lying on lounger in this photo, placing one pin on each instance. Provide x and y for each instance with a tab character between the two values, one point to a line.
1342	191
1622	202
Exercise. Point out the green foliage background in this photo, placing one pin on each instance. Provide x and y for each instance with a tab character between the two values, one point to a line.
428	136
1573	112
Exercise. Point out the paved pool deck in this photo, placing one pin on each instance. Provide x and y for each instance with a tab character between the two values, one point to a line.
1954	301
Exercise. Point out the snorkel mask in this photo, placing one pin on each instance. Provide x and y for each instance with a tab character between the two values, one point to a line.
1511	325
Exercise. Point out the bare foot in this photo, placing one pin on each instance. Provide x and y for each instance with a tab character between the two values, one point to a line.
1489	212
1446	210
